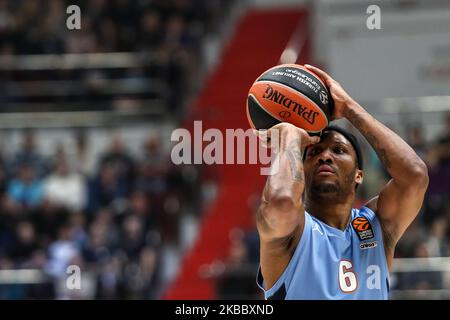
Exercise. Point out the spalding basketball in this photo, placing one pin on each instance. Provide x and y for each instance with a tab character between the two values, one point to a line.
289	93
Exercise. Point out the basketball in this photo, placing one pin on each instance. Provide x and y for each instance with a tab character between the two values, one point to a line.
289	93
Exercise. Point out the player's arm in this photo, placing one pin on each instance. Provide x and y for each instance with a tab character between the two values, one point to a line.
280	217
400	200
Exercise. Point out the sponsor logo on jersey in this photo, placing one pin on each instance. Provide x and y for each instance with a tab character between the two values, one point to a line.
368	245
362	228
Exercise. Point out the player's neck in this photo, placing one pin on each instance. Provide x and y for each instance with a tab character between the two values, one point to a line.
336	215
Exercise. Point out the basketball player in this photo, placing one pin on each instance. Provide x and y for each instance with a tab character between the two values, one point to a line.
313	244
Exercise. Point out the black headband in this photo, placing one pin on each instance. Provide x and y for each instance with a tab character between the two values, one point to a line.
351	138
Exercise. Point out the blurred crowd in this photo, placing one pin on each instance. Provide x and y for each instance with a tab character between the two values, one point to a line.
165	34
36	27
116	215
429	234
110	218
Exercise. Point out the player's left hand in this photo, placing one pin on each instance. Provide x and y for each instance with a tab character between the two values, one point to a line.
340	97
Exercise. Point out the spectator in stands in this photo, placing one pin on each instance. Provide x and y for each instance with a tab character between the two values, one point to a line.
176	34
61	252
439	155
126	15
110	282
83	159
3	184
153	168
133	237
107	218
25	243
97	9
3	173
107	189
7	20
119	159
50	27
140	281
438	160
186	181
78	222
148	272
27	189
48	220
417	141
107	35
38	260
237	281
8	221
151	30
97	248
66	188
141	206
436	244
444	142
425	279
28	155
170	218
82	41
411	239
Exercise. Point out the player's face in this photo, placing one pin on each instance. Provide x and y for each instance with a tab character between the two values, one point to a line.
330	167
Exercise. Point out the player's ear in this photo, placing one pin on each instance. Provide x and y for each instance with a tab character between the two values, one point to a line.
359	176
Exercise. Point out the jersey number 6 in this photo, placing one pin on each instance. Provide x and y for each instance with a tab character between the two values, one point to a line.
348	282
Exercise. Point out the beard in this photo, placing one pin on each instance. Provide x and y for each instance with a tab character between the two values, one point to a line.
325	188
332	190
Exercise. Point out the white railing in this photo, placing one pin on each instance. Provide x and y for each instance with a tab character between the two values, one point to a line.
401	266
56	112
64	119
22	276
75	61
422	265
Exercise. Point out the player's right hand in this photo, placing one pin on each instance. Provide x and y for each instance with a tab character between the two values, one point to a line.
340	97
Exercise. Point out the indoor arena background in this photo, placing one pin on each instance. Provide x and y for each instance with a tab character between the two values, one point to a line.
86	177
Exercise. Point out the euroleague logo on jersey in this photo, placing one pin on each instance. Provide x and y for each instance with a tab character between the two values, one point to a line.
363	228
361	224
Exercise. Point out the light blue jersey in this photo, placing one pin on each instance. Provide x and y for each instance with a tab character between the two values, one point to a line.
329	263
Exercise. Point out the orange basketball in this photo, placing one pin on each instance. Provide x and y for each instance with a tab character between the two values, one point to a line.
289	93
